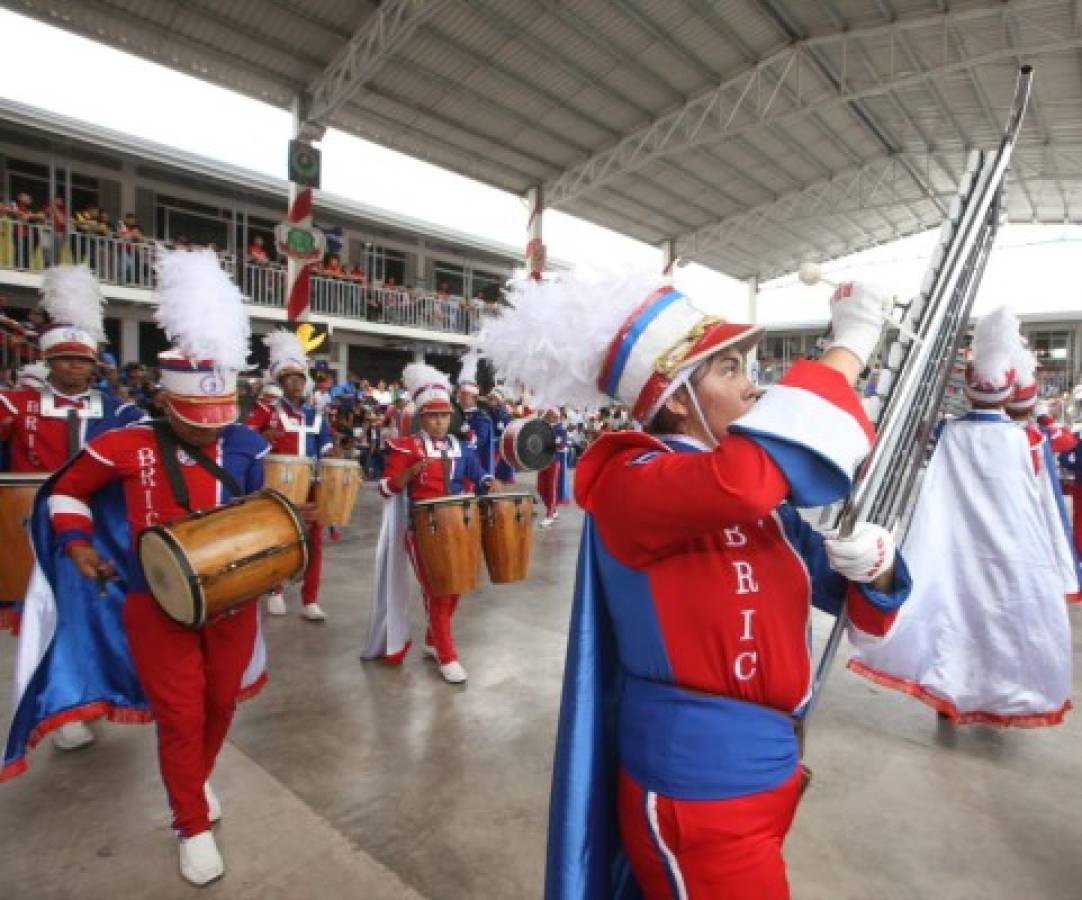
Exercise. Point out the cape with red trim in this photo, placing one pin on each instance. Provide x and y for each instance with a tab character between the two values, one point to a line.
73	662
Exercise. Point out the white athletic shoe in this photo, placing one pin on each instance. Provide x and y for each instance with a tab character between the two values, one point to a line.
276	604
214	805
453	672
200	861
313	613
547	521
556	514
72	736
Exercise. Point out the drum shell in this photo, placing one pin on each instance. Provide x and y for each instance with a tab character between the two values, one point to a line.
447	536
507	535
528	445
290	476
17	492
336	491
208	547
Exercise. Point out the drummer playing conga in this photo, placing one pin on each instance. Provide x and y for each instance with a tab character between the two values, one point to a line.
192	678
427	465
294	427
45	426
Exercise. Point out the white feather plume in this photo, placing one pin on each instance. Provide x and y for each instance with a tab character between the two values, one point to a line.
283	346
200	310
1025	366
996	344
468	372
33	374
72	296
416	375
554	338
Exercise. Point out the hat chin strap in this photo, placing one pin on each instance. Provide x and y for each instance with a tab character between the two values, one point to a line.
713	438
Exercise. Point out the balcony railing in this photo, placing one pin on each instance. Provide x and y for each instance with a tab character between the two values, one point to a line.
31	247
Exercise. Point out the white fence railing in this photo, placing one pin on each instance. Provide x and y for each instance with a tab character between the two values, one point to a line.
32	247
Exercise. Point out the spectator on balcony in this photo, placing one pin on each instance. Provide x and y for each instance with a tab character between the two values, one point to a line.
181	242
131	236
332	266
443	291
105	224
357	273
25	229
87	227
257	252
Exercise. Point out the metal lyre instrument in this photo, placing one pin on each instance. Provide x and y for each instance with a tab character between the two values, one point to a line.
920	358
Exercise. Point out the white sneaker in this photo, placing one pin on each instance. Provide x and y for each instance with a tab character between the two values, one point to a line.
72	736
276	604
453	672
547	521
214	805
200	861
313	613
556	514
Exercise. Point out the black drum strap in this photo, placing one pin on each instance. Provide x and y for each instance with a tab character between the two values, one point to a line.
169	443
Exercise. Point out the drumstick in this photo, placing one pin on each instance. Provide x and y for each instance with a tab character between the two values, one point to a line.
811	274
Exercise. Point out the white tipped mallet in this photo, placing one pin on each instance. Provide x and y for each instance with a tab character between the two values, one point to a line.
811	274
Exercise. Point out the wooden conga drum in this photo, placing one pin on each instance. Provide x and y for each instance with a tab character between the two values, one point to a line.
507	534
447	535
208	562
291	476
17	491
337	489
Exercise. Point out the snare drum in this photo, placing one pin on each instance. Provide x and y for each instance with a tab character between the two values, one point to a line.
447	535
291	476
17	491
209	562
528	445
507	534
336	491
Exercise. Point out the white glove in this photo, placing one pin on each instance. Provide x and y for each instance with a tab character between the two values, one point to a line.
857	314
863	556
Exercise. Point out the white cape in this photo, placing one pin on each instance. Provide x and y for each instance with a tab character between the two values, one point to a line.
984	636
389	624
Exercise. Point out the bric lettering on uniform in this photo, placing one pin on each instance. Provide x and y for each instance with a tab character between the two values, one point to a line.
746	615
746	665
734	537
147	461
745	578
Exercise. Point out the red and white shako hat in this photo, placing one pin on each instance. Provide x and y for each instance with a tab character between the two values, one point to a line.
75	304
991	371
1024	396
202	313
579	340
429	389
287	355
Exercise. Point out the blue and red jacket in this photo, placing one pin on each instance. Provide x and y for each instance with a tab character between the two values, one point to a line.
466	474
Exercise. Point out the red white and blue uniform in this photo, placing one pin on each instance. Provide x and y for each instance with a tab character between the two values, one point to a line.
192	678
36	437
501	418
464	475
550	479
305	432
704	576
481	438
1070	458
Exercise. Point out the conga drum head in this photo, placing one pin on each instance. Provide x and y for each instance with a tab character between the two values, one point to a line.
529	445
172	580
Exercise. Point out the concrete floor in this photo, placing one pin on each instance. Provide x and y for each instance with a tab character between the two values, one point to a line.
354	780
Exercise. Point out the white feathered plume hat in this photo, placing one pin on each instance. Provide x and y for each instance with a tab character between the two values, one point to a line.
994	353
33	375
75	304
580	339
1024	394
467	376
202	312
287	354
429	389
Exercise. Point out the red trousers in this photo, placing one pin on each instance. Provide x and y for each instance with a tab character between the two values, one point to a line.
440	611
192	679
703	849
310	587
548	486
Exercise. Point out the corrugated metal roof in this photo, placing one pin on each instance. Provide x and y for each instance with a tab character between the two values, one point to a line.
754	133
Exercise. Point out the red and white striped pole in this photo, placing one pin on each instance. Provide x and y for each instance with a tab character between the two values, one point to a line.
535	247
298	272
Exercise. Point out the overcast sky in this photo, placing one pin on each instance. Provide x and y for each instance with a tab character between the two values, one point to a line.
1034	268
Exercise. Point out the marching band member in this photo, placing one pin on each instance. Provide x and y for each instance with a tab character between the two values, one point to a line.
1019	406
549	479
985	637
423	466
478	423
295	428
1070	458
501	418
46	420
124	481
688	657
